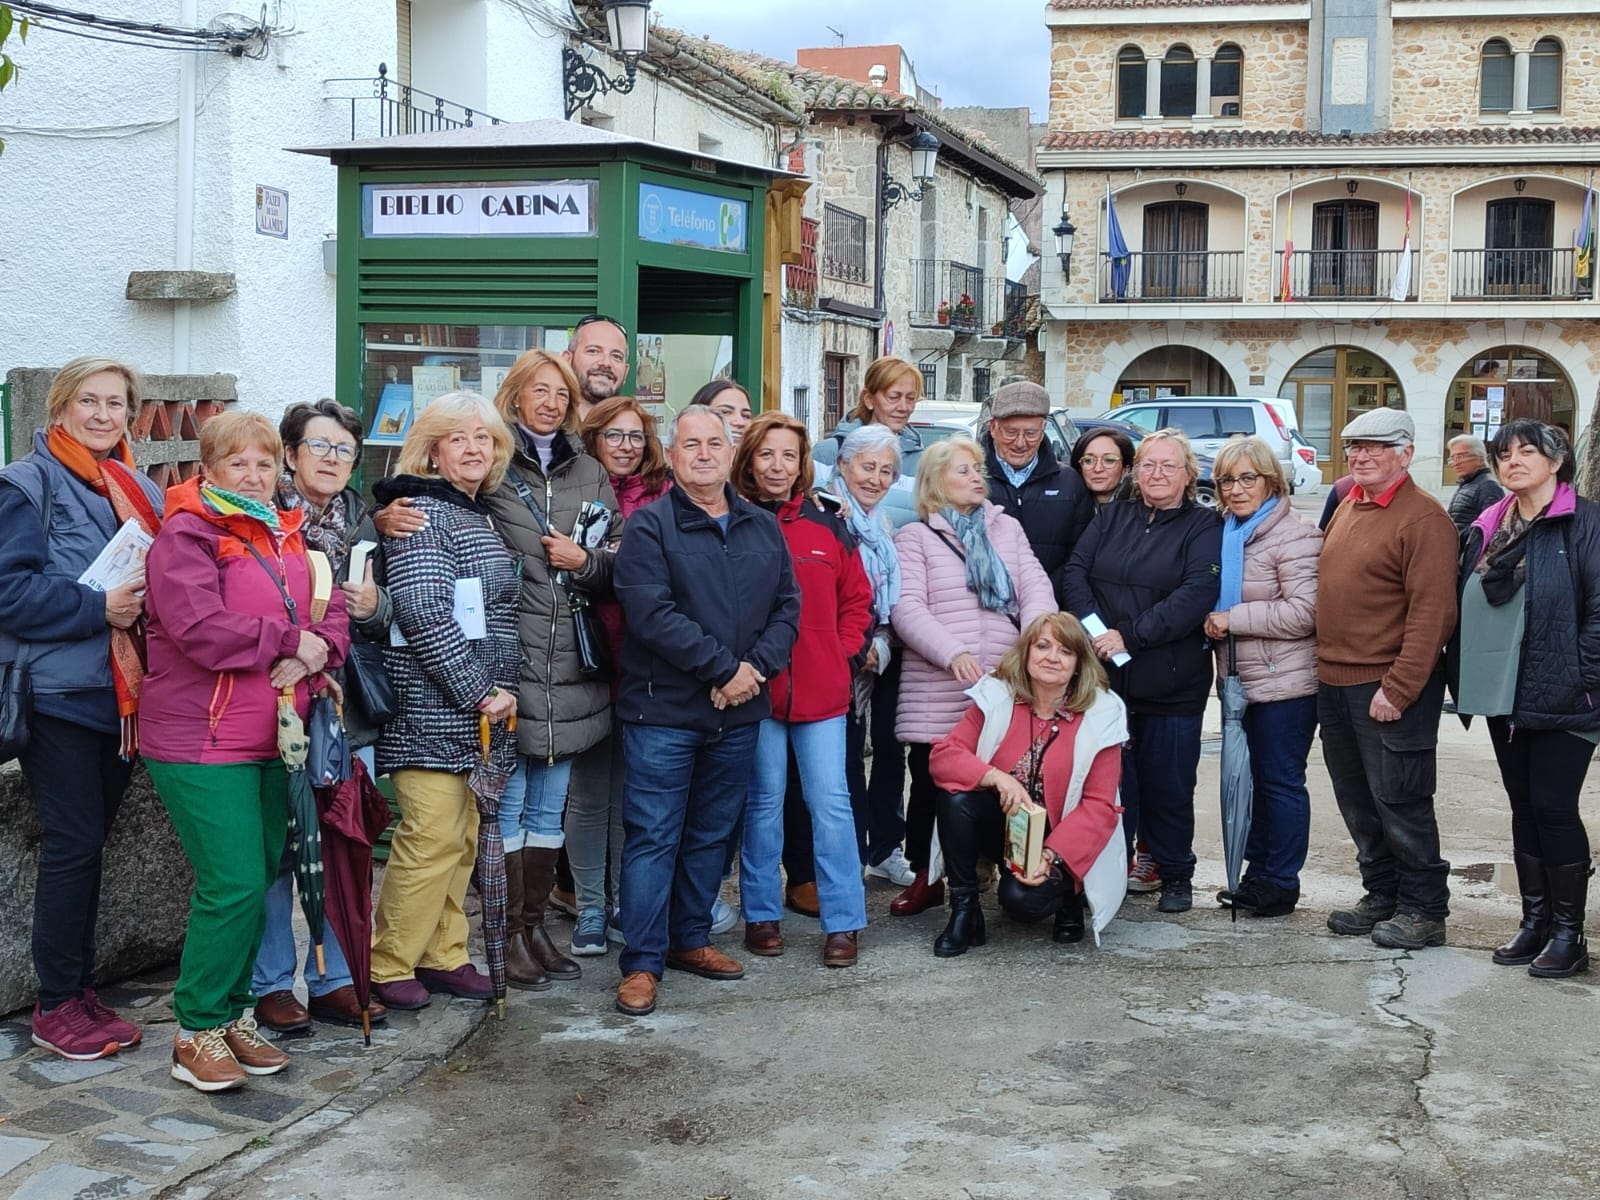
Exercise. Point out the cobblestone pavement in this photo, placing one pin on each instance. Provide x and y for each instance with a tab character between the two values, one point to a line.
121	1126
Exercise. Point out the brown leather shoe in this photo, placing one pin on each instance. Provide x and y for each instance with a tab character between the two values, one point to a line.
919	896
764	938
636	995
282	1013
254	1054
707	962
803	900
340	1007
839	950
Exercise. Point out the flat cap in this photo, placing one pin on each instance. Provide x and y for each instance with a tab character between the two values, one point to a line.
1391	425
1020	399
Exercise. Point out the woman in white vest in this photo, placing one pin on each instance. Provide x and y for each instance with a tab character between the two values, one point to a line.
1043	731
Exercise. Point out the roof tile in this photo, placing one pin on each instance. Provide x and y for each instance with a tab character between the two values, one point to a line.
1200	139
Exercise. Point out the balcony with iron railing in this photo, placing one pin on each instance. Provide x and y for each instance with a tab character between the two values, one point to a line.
382	107
800	279
1536	274
944	292
1160	276
1010	309
1344	274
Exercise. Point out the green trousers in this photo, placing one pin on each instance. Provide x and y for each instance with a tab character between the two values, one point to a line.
232	819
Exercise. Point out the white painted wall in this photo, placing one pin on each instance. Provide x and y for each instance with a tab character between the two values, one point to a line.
663	111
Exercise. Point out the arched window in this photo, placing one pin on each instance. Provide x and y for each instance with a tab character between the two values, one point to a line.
1131	72
1544	76
1178	82
1496	75
1227	81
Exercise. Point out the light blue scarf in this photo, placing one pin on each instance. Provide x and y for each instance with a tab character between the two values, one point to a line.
1234	535
875	535
987	577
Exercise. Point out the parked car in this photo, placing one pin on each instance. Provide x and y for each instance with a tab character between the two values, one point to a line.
1211	420
1307	477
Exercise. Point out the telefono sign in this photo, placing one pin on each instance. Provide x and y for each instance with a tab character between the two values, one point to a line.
684	218
535	208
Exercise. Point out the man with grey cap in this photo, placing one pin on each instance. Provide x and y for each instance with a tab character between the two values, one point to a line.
1045	496
1386	605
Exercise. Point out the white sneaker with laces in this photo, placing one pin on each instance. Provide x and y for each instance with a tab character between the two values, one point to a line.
894	868
724	916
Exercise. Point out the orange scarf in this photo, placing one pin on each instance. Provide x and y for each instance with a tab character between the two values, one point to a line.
115	479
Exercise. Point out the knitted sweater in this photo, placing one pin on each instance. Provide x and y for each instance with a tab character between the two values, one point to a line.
1386	598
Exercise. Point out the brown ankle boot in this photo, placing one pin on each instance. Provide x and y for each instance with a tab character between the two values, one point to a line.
538	877
522	969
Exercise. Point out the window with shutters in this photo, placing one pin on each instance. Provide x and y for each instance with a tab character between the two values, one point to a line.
1544	76
1497	70
1131	72
1178	82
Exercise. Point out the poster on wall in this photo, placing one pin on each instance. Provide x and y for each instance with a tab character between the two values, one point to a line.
1480	409
428	383
650	373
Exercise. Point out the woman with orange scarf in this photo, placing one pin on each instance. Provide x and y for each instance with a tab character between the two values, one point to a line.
60	506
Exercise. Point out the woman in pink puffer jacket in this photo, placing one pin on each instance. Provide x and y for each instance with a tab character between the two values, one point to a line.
969	581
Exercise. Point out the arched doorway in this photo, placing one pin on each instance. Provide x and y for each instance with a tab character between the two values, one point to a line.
1498	385
1173	371
1331	388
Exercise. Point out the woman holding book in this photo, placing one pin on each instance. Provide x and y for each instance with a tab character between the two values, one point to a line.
1043	735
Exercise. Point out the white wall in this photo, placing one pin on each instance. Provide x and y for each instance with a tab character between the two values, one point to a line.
669	113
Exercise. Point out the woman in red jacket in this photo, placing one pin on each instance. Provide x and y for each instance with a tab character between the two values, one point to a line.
809	700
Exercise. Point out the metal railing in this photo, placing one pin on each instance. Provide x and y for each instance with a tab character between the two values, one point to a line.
844	244
1518	275
944	292
1344	274
800	279
1162	275
390	109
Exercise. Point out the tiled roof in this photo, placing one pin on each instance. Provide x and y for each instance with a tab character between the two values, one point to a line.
1223	139
1066	5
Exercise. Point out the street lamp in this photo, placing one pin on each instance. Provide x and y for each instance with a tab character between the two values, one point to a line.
1064	232
628	28
924	149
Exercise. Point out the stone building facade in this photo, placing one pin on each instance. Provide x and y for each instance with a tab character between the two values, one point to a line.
1267	161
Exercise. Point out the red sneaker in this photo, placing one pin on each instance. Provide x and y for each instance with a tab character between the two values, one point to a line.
69	1030
126	1032
1143	874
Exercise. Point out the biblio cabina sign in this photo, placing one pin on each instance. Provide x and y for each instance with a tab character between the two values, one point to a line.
538	208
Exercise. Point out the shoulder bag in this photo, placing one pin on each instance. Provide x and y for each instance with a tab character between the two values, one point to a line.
16	683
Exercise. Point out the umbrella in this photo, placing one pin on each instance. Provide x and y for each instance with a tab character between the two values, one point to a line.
304	836
353	814
1238	788
488	783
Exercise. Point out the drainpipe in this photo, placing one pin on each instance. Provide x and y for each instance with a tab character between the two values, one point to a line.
183	208
880	249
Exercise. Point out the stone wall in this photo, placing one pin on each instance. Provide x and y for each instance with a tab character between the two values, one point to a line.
144	905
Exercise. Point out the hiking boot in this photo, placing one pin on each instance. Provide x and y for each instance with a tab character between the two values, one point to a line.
205	1063
254	1054
69	1030
1143	874
1409	931
1360	920
1177	895
127	1033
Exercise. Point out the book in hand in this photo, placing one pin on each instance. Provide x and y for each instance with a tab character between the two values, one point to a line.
1025	840
121	560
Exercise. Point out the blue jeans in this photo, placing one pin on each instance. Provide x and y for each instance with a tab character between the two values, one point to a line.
277	959
819	752
685	791
532	804
878	800
1159	764
1279	737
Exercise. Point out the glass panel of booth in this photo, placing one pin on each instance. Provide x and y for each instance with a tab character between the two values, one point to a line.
670	368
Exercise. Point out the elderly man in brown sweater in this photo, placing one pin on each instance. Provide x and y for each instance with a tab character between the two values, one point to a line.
1386	604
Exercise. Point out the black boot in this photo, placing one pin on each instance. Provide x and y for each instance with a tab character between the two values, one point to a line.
538	877
1567	952
1069	918
522	969
966	924
1534	931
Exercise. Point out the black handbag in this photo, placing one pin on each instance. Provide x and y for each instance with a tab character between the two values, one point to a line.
591	659
328	749
16	682
368	690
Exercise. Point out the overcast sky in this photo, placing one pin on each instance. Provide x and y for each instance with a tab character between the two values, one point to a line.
994	52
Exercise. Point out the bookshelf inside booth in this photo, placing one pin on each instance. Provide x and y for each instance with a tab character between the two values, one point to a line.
406	367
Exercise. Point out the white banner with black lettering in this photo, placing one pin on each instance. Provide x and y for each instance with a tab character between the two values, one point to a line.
530	208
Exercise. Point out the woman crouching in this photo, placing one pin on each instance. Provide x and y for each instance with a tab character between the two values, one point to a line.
1043	730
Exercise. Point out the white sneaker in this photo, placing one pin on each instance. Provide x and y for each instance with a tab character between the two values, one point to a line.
724	916
895	869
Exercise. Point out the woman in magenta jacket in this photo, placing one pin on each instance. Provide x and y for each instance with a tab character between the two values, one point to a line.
810	698
968	583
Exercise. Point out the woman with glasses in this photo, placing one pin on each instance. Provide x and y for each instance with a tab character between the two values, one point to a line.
620	434
1265	628
321	446
1147	570
1104	457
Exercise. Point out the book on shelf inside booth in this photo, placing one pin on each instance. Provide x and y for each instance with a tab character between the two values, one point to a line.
1025	840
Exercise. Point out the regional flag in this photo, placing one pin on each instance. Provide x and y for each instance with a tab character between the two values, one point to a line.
1585	236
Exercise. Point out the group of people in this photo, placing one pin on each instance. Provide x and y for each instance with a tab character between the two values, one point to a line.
727	648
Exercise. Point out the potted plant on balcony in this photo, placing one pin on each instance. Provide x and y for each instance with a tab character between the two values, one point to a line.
965	311
996	328
944	312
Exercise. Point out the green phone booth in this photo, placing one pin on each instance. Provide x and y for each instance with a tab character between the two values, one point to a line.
461	249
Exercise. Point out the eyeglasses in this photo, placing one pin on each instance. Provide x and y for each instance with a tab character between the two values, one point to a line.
1249	479
1026	436
321	447
1160	468
1100	460
1370	449
624	437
